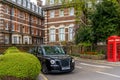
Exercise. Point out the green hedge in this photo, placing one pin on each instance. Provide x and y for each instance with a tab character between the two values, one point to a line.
22	66
12	50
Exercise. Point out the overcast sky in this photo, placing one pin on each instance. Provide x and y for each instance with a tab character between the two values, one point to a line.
35	1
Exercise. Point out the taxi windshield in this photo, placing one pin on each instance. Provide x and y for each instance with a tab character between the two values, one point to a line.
53	50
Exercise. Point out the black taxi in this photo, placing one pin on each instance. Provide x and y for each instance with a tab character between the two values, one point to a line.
53	59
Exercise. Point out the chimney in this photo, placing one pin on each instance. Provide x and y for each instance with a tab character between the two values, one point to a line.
39	2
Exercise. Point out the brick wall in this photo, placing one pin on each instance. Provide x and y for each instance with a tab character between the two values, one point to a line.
80	49
58	21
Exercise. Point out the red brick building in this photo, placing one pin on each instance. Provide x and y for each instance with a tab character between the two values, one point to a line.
21	22
59	23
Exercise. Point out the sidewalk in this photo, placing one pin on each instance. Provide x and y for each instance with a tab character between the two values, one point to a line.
42	77
98	61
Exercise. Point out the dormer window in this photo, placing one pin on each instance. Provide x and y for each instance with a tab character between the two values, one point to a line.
51	1
33	7
24	3
37	9
19	1
28	6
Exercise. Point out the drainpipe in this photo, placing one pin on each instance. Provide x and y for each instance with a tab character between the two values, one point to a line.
10	29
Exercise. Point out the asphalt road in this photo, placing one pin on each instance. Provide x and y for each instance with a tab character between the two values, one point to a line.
89	71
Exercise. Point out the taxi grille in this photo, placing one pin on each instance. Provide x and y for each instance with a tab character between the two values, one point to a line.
65	63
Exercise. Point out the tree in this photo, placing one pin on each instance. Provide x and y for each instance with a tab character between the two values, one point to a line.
83	30
84	35
105	20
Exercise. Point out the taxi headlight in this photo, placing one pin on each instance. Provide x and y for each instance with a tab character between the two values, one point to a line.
52	61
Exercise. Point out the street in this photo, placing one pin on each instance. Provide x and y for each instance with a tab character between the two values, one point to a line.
89	71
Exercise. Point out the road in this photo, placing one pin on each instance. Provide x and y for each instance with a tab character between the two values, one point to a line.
89	71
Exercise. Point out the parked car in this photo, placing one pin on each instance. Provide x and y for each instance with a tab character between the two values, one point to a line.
53	59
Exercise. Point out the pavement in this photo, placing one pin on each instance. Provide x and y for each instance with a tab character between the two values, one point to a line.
98	61
42	77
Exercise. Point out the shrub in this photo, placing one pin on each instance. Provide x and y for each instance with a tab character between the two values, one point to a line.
19	66
12	50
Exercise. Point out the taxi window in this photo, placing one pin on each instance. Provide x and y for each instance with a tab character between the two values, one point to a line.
40	52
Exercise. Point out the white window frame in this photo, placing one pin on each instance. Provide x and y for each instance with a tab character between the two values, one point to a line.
26	40
13	27
6	39
62	34
33	7
70	33
37	9
15	41
7	10
52	35
13	11
7	26
19	2
61	13
71	11
52	14
28	5
40	10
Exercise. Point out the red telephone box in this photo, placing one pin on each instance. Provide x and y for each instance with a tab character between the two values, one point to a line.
113	52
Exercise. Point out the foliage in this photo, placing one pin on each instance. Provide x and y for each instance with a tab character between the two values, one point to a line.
84	35
12	50
19	65
105	20
83	30
81	9
85	44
